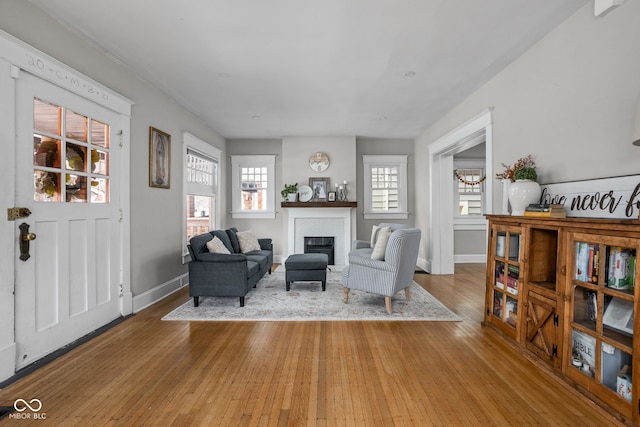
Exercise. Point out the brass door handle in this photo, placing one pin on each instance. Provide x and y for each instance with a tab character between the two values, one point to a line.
25	238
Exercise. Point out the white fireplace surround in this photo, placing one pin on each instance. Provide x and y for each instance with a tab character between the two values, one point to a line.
321	222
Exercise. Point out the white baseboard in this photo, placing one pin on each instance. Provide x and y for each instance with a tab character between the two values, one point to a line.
7	361
424	264
154	295
470	259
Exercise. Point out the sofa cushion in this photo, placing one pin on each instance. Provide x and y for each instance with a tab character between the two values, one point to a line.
308	261
252	268
381	243
199	244
261	257
374	235
220	234
216	246
248	241
235	246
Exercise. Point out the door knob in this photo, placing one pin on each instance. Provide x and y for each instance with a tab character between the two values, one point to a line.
25	238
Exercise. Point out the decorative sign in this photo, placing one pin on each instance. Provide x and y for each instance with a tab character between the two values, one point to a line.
617	197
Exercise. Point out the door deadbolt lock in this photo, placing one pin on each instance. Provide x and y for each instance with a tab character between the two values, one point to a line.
16	213
25	238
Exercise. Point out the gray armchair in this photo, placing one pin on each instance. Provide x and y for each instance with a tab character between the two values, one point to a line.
386	277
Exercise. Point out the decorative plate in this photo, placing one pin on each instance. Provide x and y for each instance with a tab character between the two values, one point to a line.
305	193
319	161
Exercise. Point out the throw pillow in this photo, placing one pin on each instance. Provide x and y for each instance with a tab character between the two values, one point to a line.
216	246
248	241
381	243
374	235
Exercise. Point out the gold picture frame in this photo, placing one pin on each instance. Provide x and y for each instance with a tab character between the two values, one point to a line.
159	158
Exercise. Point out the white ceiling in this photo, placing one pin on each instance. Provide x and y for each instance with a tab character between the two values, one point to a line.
274	68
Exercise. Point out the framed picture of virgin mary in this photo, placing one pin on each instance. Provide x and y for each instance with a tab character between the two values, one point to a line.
159	158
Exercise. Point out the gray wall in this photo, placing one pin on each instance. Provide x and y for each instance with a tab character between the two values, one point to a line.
569	101
156	214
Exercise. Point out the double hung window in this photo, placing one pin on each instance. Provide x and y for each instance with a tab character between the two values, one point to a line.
253	186
201	178
385	186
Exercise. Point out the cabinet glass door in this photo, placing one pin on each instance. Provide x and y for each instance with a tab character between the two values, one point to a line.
506	278
602	324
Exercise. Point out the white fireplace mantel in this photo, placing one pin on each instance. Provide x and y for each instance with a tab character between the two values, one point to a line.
321	221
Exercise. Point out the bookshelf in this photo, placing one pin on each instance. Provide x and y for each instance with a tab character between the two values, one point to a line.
573	310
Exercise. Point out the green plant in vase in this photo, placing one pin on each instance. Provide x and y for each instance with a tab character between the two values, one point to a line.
290	192
525	173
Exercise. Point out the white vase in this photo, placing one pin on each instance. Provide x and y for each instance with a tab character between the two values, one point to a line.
522	193
291	197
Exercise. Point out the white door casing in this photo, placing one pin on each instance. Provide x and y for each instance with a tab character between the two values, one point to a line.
441	182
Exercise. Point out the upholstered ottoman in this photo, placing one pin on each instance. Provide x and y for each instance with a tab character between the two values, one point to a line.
305	268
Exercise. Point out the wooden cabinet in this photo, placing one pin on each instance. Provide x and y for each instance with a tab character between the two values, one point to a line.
563	289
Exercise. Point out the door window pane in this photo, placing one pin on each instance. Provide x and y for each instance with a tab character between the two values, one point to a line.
76	126
57	133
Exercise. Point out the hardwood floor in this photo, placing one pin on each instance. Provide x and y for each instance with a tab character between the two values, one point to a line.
145	371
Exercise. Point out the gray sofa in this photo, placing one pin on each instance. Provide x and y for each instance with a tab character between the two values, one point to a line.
226	275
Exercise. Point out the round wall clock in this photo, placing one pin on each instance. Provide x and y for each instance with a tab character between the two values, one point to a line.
319	161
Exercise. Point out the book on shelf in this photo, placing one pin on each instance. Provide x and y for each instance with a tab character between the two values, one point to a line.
544	207
619	316
587	263
545	210
583	352
621	268
547	214
513	274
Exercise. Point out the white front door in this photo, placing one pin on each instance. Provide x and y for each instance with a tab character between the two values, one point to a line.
68	162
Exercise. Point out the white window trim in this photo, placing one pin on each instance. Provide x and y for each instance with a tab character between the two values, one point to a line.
194	143
237	163
386	160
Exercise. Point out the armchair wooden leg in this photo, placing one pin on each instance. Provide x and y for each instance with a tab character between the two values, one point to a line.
345	296
387	304
196	301
407	293
241	301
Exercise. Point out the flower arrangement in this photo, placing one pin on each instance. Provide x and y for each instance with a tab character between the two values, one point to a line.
524	168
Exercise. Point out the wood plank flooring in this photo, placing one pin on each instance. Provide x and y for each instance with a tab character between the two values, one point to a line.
147	372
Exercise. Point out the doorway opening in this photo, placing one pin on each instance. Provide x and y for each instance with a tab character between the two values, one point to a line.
441	168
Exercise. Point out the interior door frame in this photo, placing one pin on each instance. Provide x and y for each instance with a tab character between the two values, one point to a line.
17	57
441	182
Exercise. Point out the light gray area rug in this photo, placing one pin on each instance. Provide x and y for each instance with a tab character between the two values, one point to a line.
270	301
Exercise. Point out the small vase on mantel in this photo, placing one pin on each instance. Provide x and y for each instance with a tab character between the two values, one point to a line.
522	193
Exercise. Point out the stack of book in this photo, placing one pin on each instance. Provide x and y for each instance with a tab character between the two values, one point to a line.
545	210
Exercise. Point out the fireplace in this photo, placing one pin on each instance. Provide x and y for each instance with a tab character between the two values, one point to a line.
308	221
320	245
